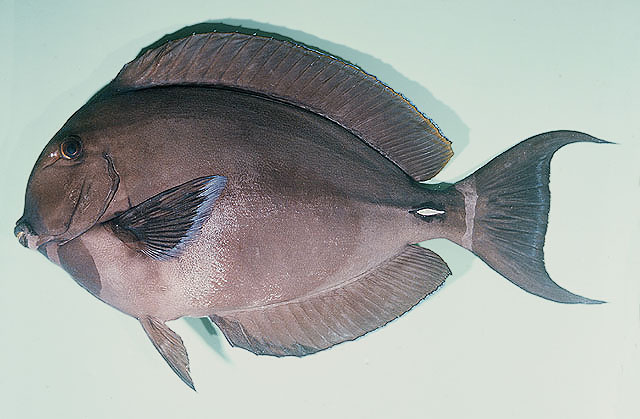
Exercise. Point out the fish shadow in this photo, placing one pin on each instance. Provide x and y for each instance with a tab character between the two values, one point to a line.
209	334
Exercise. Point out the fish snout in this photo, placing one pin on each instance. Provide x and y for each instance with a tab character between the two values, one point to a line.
25	234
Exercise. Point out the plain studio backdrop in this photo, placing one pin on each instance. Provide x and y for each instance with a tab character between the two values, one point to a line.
490	74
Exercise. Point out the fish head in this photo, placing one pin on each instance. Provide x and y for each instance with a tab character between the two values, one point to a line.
69	189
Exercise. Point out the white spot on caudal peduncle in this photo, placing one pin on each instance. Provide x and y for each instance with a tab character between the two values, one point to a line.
429	211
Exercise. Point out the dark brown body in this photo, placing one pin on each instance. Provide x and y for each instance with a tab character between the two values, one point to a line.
308	205
274	189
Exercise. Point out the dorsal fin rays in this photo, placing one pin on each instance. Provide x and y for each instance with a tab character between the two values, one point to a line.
303	77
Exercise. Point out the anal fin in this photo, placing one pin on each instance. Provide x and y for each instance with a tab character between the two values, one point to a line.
319	321
170	346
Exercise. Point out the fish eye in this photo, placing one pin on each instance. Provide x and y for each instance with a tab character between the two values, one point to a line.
70	148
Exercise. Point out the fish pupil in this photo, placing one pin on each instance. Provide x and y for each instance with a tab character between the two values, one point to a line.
70	148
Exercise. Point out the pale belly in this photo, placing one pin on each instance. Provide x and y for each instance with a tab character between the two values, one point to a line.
249	255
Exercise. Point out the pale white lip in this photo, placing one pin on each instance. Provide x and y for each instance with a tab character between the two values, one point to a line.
32	241
22	238
27	238
23	232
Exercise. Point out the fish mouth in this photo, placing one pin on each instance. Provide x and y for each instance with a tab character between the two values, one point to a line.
30	240
22	238
26	236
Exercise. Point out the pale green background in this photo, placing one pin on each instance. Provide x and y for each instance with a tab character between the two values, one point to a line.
490	74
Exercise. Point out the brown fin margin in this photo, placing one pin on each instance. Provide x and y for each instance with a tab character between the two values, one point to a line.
340	314
170	346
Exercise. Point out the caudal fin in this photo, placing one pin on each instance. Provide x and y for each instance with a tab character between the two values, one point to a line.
507	207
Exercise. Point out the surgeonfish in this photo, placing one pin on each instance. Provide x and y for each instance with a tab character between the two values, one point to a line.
276	190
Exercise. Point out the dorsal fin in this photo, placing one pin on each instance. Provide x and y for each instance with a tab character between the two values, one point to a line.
303	77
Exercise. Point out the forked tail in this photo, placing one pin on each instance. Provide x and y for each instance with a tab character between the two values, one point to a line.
507	207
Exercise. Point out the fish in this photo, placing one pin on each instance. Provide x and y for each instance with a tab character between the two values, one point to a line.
278	191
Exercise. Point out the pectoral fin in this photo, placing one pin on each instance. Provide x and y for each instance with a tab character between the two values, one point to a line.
170	346
163	225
